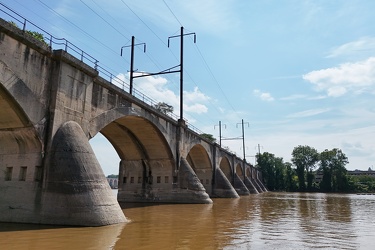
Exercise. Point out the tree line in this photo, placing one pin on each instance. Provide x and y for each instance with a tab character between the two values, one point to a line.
311	171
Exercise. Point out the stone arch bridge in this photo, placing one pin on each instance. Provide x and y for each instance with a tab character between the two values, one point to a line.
52	104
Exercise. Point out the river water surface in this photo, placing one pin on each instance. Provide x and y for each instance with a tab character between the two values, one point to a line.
264	221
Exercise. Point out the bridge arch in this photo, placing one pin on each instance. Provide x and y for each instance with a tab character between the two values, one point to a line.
239	171
226	168
147	164
98	123
200	162
21	149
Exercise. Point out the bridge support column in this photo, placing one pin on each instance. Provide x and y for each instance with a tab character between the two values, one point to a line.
261	186
256	184
76	191
222	187
190	189
239	186
250	186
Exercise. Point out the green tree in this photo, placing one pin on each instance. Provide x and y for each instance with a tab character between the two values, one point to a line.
290	180
35	34
273	171
305	159
163	107
209	137
332	163
280	175
266	162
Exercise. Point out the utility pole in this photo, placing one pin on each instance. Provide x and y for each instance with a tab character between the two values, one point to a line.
182	66
220	131
181	71
243	138
132	61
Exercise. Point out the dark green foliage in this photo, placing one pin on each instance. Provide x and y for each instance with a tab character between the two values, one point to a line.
332	163
362	184
290	178
164	107
36	35
279	176
305	159
209	137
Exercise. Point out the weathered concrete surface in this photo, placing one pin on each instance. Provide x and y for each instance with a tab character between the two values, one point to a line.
76	191
222	187
239	186
191	188
250	186
261	185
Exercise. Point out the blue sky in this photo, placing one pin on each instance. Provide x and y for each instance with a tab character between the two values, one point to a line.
298	72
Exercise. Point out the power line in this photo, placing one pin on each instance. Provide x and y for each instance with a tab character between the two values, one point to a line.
153	32
214	78
110	16
173	13
103	18
73	24
143	22
205	63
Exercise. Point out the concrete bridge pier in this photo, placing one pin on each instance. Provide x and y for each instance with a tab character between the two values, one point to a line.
250	186
154	181
191	188
239	186
261	185
222	187
76	191
257	186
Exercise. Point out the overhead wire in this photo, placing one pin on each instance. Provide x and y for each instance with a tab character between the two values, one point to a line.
155	34
206	65
186	71
103	19
82	30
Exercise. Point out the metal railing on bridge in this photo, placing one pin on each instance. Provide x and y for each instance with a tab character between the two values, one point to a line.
62	43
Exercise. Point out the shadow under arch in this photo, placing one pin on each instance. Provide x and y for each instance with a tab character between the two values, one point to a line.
18	137
200	162
226	168
239	171
147	165
21	159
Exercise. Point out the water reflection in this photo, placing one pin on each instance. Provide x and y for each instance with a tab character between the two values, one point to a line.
32	237
264	221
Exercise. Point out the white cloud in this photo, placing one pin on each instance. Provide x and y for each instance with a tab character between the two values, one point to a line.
308	113
195	96
337	81
155	87
293	97
264	96
364	44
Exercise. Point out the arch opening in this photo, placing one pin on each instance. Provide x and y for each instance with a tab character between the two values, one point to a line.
146	163
21	149
200	162
239	171
226	168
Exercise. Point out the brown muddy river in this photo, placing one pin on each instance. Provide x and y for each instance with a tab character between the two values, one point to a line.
264	221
